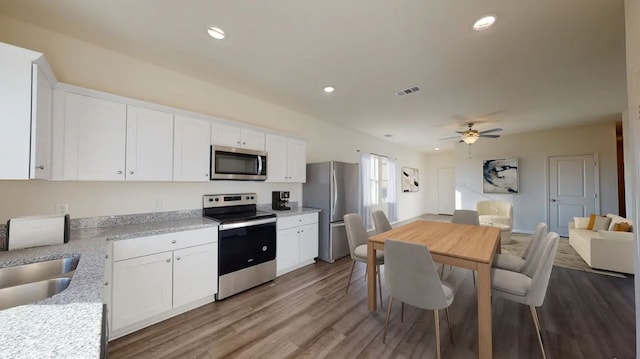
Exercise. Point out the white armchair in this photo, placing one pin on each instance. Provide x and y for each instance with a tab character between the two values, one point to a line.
495	212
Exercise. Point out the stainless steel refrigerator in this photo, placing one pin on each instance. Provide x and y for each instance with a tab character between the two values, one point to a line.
334	188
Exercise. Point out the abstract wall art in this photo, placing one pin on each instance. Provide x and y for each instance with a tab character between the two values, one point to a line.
410	180
500	175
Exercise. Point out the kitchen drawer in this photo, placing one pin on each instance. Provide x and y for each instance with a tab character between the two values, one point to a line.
295	221
137	247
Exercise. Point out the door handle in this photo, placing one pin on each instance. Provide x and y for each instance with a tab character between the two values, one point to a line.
553	200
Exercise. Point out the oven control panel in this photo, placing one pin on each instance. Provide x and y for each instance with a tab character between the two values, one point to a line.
225	200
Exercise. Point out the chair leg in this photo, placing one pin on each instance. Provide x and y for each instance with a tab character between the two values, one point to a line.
386	322
379	286
442	272
402	312
536	322
366	269
474	278
435	315
449	323
353	265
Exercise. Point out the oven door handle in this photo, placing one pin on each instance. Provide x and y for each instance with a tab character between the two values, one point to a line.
224	227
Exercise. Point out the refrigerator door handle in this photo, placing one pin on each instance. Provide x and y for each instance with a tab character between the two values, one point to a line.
335	194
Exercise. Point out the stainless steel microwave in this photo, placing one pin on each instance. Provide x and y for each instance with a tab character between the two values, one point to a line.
230	163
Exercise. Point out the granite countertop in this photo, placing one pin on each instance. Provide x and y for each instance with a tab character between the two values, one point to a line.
69	324
294	211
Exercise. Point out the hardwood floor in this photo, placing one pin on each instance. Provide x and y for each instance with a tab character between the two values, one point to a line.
306	314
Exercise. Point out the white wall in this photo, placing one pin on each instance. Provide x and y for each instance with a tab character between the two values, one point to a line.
83	64
532	150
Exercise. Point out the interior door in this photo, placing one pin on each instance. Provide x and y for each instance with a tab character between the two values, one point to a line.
446	190
573	190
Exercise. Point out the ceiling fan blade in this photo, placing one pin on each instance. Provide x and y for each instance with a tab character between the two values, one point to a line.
449	138
491	130
459	131
490	136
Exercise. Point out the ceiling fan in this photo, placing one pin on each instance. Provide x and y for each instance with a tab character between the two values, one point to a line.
470	136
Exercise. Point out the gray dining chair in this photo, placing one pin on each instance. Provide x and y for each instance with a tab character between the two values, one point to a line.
530	286
357	237
465	216
411	277
516	263
380	222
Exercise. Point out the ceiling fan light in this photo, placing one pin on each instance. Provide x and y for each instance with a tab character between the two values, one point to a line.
469	140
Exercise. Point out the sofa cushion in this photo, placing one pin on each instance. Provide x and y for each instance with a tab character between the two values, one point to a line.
615	219
614	235
592	221
581	222
601	223
622	227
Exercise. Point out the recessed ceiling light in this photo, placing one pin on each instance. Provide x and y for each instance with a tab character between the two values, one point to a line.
388	135
329	89
437	148
484	23
216	32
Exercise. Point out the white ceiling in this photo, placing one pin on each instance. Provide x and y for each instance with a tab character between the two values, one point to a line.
544	64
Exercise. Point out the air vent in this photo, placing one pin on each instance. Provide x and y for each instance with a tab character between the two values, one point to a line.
408	91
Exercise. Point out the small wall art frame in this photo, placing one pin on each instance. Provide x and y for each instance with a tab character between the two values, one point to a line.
500	175
410	179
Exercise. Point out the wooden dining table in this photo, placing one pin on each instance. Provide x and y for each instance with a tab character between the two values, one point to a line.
460	245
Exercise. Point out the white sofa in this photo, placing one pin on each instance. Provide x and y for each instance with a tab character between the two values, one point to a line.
604	249
491	211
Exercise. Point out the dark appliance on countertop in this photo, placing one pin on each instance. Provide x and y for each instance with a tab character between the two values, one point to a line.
246	242
230	163
280	200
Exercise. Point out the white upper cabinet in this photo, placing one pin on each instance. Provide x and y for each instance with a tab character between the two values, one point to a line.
25	113
95	132
286	159
191	150
149	145
41	101
231	136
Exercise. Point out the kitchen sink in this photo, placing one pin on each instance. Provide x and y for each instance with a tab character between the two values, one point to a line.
35	272
31	292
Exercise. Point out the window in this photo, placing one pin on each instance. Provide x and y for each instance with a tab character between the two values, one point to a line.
379	179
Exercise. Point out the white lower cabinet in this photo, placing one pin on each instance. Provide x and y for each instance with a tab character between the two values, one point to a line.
297	242
157	277
141	288
195	273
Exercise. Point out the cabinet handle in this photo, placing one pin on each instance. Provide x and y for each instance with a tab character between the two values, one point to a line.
302	231
177	258
41	167
206	175
168	260
106	283
173	241
244	143
106	256
119	172
130	172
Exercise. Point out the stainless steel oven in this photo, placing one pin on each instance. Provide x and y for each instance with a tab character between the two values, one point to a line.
246	242
230	163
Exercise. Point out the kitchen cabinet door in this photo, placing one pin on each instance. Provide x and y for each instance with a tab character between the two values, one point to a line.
296	160
41	99
25	114
149	145
252	140
142	288
195	273
308	242
225	135
191	152
287	248
95	131
276	147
